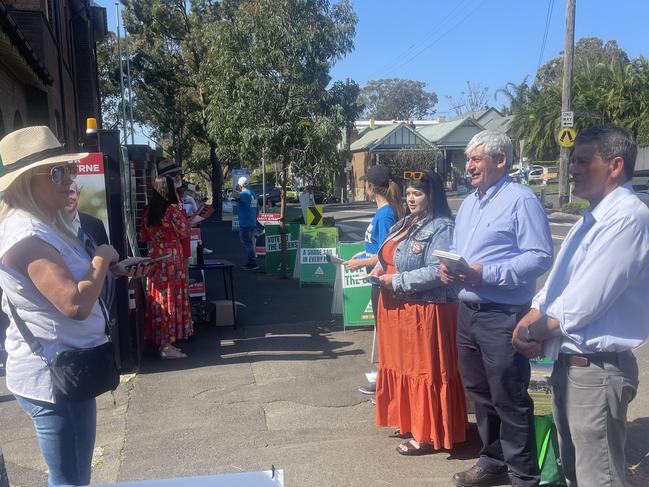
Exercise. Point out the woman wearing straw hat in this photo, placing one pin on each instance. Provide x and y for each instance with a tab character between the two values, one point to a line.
54	284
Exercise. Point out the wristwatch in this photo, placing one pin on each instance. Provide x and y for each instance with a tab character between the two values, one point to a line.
528	334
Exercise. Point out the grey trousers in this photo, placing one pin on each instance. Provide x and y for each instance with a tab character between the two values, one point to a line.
590	406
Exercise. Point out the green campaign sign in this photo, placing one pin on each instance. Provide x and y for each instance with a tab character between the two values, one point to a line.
315	244
274	248
357	294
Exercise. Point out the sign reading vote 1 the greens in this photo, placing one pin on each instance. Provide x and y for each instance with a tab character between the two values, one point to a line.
357	294
274	248
315	244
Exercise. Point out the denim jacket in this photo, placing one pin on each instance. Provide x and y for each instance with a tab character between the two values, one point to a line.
417	270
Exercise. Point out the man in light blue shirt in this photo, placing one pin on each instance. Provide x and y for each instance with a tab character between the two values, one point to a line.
594	309
502	231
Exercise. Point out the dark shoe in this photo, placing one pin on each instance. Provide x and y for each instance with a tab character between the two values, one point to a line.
250	267
369	389
408	449
477	476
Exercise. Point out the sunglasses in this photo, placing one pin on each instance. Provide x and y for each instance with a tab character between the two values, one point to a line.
58	173
413	175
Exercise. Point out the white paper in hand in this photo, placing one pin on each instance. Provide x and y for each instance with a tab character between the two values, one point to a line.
450	260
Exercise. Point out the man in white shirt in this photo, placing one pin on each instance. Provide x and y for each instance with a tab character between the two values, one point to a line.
594	310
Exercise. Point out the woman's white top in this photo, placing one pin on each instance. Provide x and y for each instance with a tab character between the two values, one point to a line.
26	374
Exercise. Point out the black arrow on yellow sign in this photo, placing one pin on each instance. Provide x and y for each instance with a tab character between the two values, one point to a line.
314	215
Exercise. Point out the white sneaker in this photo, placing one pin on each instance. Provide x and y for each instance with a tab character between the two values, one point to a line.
207	251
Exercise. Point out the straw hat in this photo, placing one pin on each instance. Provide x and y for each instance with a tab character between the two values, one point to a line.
28	148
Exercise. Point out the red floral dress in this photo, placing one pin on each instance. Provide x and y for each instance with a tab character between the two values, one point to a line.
168	314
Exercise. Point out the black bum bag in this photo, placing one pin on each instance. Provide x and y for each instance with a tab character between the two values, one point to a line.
80	374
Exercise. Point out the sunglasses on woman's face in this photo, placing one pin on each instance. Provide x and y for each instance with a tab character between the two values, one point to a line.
413	175
58	173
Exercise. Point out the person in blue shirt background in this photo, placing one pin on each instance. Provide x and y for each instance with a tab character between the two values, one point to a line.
247	211
387	196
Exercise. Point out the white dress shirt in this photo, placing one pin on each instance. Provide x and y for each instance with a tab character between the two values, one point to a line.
598	289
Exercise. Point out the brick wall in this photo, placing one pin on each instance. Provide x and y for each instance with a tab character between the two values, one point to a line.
13	99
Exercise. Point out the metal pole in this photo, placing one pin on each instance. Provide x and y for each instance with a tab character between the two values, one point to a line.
263	180
121	71
566	97
130	88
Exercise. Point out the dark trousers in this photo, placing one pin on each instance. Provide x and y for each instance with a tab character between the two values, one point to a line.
497	377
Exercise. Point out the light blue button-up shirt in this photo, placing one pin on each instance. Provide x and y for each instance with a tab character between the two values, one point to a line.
507	232
599	289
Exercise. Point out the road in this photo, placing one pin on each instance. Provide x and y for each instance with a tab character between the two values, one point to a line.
353	220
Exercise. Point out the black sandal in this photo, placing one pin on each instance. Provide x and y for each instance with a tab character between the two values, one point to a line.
404	436
409	450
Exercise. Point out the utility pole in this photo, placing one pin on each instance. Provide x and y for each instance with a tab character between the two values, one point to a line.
121	73
130	87
566	98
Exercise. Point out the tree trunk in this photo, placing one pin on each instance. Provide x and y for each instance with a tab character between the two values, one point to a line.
217	182
282	226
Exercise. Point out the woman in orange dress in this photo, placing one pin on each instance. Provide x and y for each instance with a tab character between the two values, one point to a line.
168	313
419	389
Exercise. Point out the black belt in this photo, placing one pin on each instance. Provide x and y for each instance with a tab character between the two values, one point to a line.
585	359
507	308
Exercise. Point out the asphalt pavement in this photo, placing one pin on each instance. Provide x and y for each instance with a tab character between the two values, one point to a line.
280	389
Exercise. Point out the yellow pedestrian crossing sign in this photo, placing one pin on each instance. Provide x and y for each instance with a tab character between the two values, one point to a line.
566	137
314	215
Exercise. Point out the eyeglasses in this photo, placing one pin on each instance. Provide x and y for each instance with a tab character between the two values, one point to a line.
413	175
58	173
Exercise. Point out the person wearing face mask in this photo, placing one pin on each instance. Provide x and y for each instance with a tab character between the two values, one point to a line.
503	234
418	388
168	313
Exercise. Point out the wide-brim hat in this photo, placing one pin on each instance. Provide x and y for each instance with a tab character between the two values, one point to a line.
167	167
31	147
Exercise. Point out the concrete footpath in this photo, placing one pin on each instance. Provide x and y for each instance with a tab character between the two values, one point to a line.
280	389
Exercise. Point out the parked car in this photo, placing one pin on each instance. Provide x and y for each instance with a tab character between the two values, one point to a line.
321	196
273	196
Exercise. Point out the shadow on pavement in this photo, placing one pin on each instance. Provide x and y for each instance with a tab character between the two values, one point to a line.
637	452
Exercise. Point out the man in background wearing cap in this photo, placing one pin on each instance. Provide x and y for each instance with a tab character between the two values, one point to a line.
248	222
189	203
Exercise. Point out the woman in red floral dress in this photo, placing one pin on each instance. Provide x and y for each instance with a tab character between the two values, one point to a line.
168	313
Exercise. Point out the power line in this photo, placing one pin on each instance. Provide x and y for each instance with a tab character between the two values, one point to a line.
428	46
414	45
548	18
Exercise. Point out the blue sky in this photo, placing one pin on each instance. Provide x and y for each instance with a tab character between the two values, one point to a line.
446	43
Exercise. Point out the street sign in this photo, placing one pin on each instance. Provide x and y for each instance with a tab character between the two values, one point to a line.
567	119
566	137
314	215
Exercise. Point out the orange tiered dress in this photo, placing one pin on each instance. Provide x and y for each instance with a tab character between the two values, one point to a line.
419	389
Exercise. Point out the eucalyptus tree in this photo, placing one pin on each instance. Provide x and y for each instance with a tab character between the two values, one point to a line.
167	62
269	63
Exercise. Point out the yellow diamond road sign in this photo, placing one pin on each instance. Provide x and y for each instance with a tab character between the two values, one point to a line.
314	215
566	137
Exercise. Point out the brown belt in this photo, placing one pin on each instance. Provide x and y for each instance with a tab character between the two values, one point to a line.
585	359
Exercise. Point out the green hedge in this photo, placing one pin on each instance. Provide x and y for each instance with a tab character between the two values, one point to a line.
575	207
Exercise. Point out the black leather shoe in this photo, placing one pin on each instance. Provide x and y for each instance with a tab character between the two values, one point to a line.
476	476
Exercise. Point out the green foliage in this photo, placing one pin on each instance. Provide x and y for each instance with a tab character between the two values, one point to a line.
409	160
575	207
268	70
397	99
607	87
109	87
588	53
